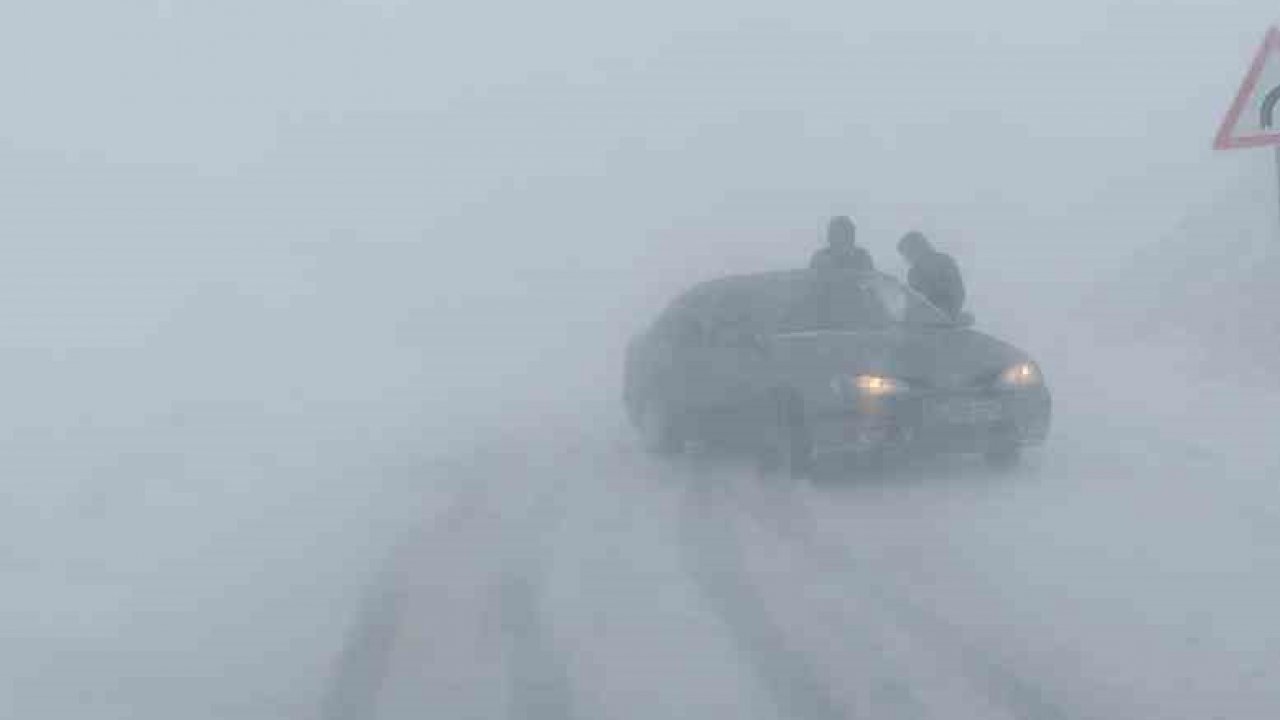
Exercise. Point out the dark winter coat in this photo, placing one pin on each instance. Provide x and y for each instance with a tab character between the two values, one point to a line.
936	276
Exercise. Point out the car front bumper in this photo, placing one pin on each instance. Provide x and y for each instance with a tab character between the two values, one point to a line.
930	423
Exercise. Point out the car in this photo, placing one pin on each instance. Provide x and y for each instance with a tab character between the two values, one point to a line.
809	369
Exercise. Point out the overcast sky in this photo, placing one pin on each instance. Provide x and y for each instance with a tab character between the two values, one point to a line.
943	111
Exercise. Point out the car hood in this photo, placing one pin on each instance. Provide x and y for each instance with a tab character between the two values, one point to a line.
941	357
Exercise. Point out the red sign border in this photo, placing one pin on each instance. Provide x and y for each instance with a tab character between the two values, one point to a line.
1224	139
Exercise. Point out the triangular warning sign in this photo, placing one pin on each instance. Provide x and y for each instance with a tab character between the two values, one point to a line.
1254	117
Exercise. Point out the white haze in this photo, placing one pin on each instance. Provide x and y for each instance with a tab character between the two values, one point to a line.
277	272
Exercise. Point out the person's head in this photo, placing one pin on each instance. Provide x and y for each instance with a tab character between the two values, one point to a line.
913	246
841	233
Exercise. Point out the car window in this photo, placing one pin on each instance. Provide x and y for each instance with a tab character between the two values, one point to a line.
688	331
906	305
836	303
682	324
855	301
734	315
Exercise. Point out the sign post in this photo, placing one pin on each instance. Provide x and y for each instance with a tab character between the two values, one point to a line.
1277	149
1253	120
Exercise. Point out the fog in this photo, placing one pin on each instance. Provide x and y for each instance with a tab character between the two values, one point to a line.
313	325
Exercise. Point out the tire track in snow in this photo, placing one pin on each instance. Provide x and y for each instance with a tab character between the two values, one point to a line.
539	686
794	683
364	659
994	679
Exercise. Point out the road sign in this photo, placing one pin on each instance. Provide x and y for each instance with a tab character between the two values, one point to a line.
1254	117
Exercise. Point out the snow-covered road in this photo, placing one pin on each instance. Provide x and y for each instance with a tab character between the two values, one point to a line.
1129	570
214	568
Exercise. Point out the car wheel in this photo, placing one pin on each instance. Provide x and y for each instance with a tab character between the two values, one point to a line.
659	433
786	448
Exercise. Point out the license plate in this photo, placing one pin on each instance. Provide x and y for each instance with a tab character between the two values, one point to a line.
965	411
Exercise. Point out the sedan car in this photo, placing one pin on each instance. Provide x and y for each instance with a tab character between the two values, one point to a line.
808	366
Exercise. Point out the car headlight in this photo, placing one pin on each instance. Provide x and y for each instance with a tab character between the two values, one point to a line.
878	385
1021	375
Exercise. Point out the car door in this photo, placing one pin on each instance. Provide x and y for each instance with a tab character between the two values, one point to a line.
688	362
731	369
707	364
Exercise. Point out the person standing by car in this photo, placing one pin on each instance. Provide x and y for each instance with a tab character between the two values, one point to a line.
932	273
842	251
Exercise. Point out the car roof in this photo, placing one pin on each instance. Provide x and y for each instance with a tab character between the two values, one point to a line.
776	284
765	297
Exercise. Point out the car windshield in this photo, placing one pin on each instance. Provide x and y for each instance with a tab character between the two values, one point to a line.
840	301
